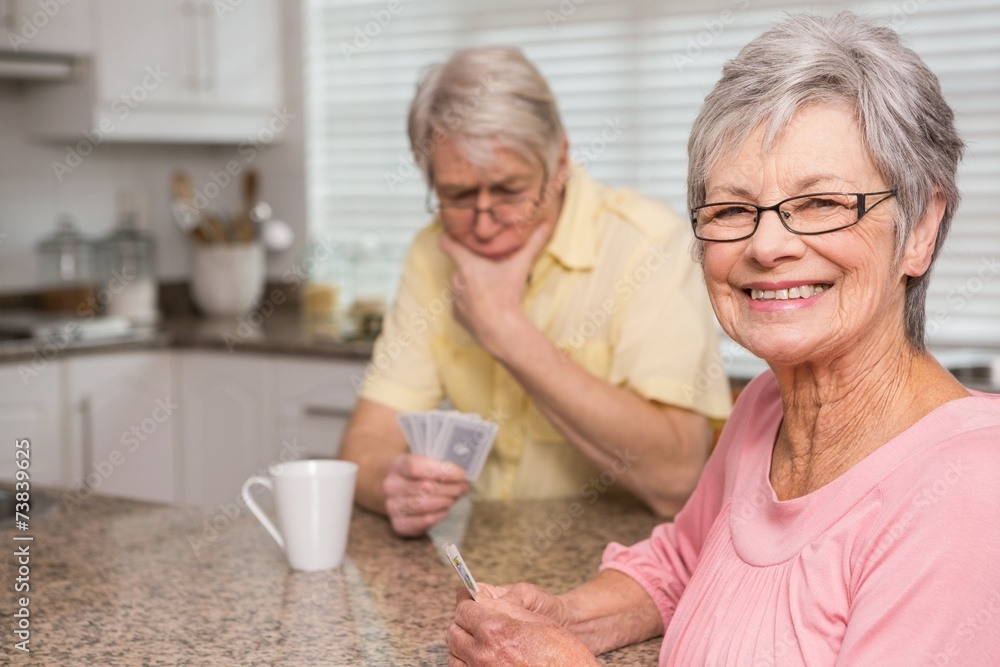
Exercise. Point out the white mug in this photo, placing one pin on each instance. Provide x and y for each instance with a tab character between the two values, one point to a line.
313	500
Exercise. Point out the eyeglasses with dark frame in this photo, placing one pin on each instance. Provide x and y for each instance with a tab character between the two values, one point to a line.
807	215
509	210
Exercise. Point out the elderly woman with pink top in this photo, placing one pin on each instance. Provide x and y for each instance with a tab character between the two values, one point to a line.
848	515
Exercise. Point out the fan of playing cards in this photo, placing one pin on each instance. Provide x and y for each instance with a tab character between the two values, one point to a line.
448	435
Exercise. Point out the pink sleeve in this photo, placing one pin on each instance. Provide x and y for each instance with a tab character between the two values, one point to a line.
925	585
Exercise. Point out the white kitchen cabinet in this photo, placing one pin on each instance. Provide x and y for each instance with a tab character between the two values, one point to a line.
123	413
31	408
315	399
199	71
46	26
244	65
228	425
169	426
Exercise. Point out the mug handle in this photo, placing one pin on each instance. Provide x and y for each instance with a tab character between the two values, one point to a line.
257	511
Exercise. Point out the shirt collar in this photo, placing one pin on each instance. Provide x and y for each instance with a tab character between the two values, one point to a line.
574	241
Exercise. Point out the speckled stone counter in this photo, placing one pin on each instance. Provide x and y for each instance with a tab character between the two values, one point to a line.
121	583
279	334
285	334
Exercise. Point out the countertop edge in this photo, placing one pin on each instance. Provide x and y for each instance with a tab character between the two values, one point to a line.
184	335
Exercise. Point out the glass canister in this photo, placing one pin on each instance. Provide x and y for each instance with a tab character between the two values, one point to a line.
127	272
66	270
325	266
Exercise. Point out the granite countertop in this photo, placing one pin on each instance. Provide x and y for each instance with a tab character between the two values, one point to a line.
117	582
281	333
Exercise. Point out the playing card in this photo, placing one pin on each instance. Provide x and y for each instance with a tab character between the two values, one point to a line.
430	421
406	425
462	569
463	442
464	439
483	453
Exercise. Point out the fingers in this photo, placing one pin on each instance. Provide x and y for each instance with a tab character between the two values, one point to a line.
492	591
461	645
460	636
478	635
535	600
420	491
424	489
470	614
486	591
421	468
415	525
417	504
527	595
495	631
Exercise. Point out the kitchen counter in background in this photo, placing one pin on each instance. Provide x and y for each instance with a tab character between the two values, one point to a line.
277	327
287	333
282	333
117	582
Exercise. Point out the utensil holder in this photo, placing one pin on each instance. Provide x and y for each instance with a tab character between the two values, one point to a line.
228	278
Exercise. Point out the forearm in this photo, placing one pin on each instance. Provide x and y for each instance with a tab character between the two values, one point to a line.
373	465
367	443
664	448
611	611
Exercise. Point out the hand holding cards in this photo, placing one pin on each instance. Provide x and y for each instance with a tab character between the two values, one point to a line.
447	435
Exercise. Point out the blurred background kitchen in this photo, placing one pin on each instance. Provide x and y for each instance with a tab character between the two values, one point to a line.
204	204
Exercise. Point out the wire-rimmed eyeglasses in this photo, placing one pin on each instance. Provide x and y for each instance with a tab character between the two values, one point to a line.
504	210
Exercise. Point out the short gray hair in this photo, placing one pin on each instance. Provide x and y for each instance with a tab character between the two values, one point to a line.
485	95
907	126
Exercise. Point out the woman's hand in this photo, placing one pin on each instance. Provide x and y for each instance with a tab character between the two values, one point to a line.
528	597
513	625
419	492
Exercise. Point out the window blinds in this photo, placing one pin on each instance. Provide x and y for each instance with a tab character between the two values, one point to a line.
630	77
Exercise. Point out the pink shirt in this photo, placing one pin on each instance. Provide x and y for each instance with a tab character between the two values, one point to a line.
896	562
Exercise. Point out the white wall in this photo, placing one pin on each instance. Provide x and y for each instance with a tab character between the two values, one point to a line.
31	195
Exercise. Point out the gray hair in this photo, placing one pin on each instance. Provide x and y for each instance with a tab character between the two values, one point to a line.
481	96
906	124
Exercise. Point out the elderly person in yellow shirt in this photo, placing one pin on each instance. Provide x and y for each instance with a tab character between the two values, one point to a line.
570	313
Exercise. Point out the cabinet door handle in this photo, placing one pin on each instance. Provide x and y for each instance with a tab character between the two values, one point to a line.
327	411
87	437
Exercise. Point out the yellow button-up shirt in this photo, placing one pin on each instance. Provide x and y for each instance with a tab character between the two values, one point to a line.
616	289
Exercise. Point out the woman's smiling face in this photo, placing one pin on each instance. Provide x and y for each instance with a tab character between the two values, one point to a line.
793	299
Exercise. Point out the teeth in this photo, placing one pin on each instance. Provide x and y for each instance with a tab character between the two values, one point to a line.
800	292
